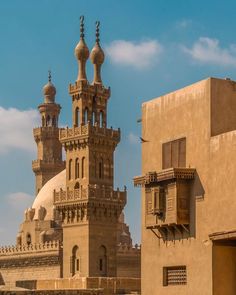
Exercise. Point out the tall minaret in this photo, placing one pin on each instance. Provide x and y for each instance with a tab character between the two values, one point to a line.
90	207
49	160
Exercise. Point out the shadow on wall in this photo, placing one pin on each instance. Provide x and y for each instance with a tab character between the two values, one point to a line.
1	280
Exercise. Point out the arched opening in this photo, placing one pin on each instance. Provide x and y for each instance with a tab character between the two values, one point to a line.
54	122
48	121
77	117
77	168
75	260
76	185
70	169
86	116
101	119
93	118
102	261
82	170
28	239
100	173
43	121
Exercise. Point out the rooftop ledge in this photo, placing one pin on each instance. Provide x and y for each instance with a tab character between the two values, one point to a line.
167	174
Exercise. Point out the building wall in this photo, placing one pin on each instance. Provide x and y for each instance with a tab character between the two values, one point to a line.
196	112
41	261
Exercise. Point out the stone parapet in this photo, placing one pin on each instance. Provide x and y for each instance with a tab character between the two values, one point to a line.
92	192
86	131
84	87
45	132
46	248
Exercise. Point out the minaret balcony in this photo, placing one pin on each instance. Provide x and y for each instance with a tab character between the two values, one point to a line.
45	132
85	131
167	198
38	165
90	193
84	87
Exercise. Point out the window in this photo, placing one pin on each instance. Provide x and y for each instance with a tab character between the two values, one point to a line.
70	169
174	275
28	239
93	118
86	116
75	260
158	200
83	163
102	261
174	153
77	117
101	119
77	168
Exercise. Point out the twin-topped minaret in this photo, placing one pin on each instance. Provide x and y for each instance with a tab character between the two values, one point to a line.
49	159
89	207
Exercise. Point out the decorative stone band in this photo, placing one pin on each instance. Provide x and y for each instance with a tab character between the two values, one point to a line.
90	193
167	174
12	262
32	248
88	130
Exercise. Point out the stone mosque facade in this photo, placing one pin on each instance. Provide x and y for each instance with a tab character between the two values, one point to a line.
75	229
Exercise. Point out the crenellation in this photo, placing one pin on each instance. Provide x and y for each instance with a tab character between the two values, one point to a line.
28	249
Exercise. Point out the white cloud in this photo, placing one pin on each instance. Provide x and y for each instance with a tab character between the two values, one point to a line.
133	139
16	129
138	55
19	201
207	50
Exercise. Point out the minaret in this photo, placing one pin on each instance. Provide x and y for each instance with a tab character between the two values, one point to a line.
90	207
49	160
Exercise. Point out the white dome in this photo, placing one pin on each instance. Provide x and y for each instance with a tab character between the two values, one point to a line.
45	196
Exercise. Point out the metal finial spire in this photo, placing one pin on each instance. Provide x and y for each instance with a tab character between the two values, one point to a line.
82	27
49	76
97	31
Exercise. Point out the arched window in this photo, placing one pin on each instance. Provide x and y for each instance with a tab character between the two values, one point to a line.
102	261
83	166
48	121
70	169
54	124
75	260
93	118
100	173
77	117
77	168
43	121
28	239
101	119
86	116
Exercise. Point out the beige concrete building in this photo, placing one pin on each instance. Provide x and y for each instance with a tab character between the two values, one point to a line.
188	191
75	228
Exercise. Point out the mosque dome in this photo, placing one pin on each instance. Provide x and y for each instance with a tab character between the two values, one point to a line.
44	199
97	55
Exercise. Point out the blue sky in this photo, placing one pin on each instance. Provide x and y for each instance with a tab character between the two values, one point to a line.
152	47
